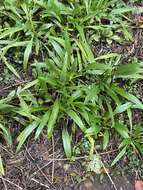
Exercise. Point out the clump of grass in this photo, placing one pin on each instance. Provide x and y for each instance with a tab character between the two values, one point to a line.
71	87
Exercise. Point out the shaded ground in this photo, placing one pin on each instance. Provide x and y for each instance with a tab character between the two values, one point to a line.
41	166
120	183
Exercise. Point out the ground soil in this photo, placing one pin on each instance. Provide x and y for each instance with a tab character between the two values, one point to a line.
41	166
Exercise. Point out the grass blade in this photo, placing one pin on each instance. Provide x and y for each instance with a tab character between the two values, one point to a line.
128	96
11	68
105	139
66	142
27	54
1	167
26	132
30	84
119	156
6	134
122	130
53	118
107	56
73	115
44	121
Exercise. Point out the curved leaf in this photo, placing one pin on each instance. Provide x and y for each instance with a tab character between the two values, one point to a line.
74	116
53	118
6	134
66	142
26	132
119	156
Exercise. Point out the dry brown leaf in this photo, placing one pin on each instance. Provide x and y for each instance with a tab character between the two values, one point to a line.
139	185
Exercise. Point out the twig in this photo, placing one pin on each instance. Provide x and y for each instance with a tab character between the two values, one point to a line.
39	169
43	166
108	152
14	85
20	188
4	148
33	179
112	182
80	157
4	184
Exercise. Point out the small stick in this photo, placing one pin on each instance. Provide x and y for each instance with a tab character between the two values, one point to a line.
80	157
14	85
20	188
38	166
33	179
4	148
112	182
4	184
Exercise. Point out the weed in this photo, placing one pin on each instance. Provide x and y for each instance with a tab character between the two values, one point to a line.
71	88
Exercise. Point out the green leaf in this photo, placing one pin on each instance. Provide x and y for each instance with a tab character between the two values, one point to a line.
53	118
11	68
107	56
98	68
127	69
112	94
122	108
122	130
123	10
68	47
57	48
13	44
24	108
66	142
44	120
75	117
6	134
27	53
1	167
119	156
30	84
129	113
111	114
63	75
128	34
26	132
128	96
84	46
105	139
10	31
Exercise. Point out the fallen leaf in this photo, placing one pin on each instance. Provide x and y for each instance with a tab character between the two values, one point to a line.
139	185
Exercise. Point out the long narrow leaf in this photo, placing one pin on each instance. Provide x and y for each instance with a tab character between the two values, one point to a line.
1	167
6	134
26	132
27	53
119	156
66	142
53	118
73	115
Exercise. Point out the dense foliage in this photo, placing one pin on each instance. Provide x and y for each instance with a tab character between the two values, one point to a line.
71	88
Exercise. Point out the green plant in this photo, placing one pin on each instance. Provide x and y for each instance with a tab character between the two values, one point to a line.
71	88
130	138
28	26
5	133
71	95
